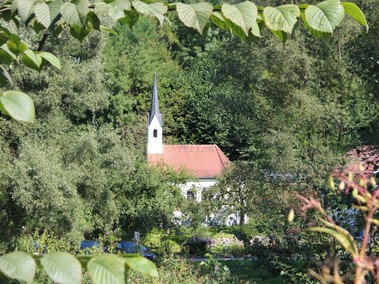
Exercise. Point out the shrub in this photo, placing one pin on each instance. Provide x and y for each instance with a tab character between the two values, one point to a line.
197	246
245	233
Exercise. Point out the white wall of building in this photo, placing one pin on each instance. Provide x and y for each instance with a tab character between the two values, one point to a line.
221	217
154	144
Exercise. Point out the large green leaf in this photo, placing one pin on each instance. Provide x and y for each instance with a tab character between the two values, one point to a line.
6	56
46	13
55	8
142	265
218	20
131	17
18	265
309	28
82	7
5	77
114	9
324	17
244	15
93	21
17	105
32	59
4	35
14	6
70	14
62	267
353	11
16	45
51	58
123	5
79	32
282	18
156	9
195	15
25	8
107	269
42	12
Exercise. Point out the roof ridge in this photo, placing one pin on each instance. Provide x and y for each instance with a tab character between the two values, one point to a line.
218	150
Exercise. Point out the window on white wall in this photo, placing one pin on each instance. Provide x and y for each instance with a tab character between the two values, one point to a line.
191	195
155	133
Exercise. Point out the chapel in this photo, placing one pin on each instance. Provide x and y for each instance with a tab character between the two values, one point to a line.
204	162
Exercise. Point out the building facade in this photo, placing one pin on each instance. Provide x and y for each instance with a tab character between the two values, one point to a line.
205	163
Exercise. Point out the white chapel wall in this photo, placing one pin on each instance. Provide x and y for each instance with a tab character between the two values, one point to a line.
154	144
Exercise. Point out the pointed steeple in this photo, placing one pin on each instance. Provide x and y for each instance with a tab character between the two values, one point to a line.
154	110
154	128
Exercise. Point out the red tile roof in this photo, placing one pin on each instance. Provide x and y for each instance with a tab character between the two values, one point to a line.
204	161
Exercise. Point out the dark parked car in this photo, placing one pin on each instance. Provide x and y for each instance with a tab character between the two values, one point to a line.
131	247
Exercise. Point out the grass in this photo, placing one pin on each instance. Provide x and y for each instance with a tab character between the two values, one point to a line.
247	270
164	243
182	271
173	270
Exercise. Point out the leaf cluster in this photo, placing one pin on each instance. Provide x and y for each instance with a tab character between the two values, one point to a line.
63	267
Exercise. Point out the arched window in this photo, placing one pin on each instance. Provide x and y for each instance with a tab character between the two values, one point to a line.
155	133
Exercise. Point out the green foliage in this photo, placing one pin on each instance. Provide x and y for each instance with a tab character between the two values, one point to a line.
14	103
197	246
63	267
129	78
17	105
82	17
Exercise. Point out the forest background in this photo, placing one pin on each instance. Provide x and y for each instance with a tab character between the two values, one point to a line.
80	168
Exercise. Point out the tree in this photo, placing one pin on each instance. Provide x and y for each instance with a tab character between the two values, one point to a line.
243	19
236	191
130	73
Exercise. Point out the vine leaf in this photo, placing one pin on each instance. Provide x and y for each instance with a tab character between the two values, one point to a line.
194	15
107	268
156	9
325	16
62	268
18	265
353	11
20	107
244	15
282	18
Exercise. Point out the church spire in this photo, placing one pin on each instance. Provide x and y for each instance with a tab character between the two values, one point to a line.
154	128
154	110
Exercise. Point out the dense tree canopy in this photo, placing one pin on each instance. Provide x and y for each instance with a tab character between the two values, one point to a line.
244	19
274	109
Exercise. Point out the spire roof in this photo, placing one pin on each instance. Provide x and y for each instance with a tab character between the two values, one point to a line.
154	110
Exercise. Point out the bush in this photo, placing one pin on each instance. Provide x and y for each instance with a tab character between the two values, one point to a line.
197	246
245	233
